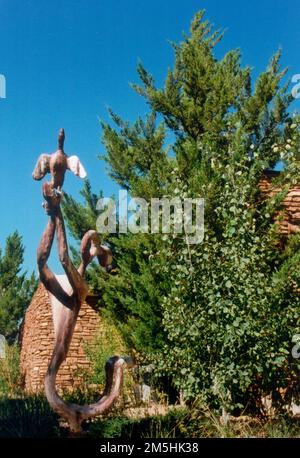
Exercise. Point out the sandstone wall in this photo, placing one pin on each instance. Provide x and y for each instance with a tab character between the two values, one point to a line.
290	215
37	339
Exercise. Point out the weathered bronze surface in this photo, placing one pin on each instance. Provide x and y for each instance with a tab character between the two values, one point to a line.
67	292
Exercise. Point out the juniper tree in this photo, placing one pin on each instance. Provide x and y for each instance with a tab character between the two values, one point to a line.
16	288
218	317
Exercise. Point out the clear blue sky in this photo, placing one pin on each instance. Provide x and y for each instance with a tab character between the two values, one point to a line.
66	61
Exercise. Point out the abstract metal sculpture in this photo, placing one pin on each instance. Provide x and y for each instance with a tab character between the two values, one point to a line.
68	292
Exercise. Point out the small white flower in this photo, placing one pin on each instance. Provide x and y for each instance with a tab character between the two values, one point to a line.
293	126
275	149
252	146
288	147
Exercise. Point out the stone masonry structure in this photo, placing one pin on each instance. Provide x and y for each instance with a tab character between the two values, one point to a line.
290	214
37	339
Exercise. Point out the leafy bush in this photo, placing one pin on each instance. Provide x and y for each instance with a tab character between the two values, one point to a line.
228	317
82	395
196	421
113	427
282	427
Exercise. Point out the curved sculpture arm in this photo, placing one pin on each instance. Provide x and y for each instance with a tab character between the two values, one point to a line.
75	414
79	286
65	308
46	275
67	293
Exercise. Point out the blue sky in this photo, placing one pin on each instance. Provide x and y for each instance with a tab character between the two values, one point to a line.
66	61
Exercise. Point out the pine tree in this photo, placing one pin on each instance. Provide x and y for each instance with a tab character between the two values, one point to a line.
16	289
217	317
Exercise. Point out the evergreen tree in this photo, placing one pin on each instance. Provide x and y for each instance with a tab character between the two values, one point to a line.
217	317
16	289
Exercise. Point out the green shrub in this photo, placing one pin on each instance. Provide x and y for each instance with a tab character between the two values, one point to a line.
283	427
112	427
107	343
82	395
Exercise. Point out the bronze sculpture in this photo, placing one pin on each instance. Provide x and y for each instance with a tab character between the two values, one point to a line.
67	292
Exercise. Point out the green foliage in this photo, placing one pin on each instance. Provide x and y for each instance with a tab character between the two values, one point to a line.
282	428
217	317
10	376
128	166
141	327
158	426
193	422
30	417
16	289
113	427
106	344
133	296
86	215
229	320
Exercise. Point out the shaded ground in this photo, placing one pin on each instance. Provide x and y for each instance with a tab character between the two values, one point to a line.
32	417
